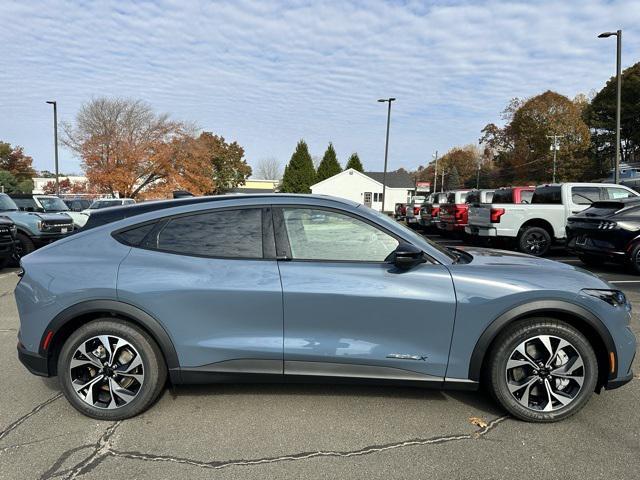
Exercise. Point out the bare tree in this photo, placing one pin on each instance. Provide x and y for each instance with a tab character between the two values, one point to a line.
269	169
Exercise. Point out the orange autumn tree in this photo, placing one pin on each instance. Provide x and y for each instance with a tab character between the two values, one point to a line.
124	146
129	150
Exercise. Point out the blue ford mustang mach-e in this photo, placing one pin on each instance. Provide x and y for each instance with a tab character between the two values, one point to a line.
276	287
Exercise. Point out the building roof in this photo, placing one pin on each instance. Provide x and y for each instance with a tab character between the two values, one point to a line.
394	179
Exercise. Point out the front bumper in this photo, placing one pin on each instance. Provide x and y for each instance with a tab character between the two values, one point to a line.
620	381
34	362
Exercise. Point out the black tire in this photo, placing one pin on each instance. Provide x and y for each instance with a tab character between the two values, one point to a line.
535	241
154	368
634	259
25	245
525	330
591	260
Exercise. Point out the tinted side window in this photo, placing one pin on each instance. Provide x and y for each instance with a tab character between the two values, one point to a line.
548	195
24	203
316	234
585	195
473	197
502	196
134	236
226	233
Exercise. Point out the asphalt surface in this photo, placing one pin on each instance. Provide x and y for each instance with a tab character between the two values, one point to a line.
310	431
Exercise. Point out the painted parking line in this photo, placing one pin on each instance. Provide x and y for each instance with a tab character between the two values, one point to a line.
7	274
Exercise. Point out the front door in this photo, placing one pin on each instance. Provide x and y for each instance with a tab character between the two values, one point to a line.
367	199
349	312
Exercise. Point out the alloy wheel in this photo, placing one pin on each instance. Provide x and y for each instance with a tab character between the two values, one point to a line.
535	243
106	372
545	373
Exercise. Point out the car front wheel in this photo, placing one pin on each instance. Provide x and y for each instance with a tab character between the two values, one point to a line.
111	370
542	370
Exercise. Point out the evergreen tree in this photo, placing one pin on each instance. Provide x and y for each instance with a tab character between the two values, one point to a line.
329	165
299	174
453	182
355	163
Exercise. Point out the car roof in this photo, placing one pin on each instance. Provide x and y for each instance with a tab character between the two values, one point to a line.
113	214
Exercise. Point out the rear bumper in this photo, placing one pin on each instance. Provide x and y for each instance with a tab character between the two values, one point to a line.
34	362
481	231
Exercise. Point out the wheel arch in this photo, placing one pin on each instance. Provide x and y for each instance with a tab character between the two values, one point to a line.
578	317
77	315
540	223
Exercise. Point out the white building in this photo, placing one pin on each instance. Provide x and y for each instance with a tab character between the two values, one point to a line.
366	188
40	182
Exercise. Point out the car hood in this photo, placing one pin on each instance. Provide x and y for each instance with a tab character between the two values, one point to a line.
490	256
17	215
525	271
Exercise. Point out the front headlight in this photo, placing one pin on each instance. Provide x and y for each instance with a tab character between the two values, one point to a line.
613	297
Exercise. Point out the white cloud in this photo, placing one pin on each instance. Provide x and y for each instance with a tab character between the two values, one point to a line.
268	73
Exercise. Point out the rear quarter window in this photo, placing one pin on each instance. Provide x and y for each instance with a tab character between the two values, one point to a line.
503	196
547	195
134	236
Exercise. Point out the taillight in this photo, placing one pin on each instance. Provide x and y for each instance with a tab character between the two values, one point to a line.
435	211
459	212
496	213
416	210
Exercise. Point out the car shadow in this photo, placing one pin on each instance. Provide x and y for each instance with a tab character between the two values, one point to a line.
478	400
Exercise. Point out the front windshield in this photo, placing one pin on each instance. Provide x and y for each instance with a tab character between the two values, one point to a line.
7	204
53	204
104	203
385	219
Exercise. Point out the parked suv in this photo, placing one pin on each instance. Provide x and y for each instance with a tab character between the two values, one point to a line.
8	232
286	286
607	231
34	229
48	204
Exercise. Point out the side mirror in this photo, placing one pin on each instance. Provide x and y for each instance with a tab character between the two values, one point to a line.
407	256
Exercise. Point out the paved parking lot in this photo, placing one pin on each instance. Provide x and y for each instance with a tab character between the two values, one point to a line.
309	431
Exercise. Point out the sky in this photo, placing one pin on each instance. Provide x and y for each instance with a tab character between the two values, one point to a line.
266	73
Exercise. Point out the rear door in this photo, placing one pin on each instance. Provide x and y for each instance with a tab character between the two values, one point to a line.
211	279
348	312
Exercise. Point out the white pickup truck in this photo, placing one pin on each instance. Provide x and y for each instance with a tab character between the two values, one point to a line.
535	226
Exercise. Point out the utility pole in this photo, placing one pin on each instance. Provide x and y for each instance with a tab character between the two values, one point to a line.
386	150
555	146
618	34
55	141
442	183
435	172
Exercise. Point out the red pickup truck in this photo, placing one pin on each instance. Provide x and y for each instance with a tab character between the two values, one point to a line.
453	213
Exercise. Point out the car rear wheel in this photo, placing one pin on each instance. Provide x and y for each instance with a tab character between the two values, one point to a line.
634	259
534	241
111	370
542	370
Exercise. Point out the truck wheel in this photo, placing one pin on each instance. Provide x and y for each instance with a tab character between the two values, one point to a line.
25	245
534	241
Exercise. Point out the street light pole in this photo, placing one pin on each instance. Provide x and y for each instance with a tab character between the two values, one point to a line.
618	34
435	172
55	141
386	150
555	146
